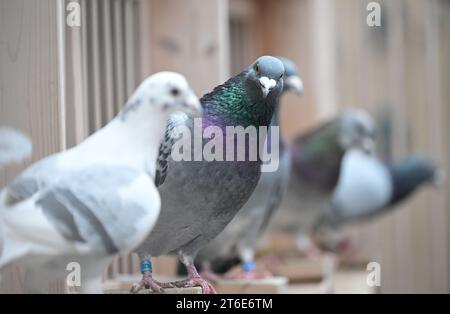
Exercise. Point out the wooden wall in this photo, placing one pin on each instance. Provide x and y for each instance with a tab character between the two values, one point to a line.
401	69
29	87
190	38
59	84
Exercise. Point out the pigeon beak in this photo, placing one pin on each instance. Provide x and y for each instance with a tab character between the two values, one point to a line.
266	85
193	106
294	82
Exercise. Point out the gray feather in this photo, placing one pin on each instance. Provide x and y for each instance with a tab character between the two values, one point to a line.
165	149
250	223
33	179
86	207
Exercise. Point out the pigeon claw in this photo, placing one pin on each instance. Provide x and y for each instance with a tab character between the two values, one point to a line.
197	282
148	282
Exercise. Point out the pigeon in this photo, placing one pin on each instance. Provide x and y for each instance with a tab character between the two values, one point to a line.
238	240
14	146
368	188
95	200
200	197
316	160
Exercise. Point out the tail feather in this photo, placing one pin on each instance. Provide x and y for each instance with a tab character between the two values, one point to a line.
14	146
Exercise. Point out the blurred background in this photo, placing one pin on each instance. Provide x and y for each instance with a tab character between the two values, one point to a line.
59	83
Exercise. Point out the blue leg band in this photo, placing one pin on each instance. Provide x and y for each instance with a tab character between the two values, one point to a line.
248	266
146	266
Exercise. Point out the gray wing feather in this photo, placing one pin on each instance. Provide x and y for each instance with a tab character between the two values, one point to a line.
165	148
86	207
33	179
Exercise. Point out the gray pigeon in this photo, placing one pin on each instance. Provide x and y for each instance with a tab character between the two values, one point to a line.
238	240
316	160
84	205
368	188
199	198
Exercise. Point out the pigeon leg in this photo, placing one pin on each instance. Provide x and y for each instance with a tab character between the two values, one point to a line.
248	269
193	279
147	281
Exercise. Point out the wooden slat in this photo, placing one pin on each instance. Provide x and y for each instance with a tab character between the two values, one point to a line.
119	55
130	47
107	60
76	83
95	93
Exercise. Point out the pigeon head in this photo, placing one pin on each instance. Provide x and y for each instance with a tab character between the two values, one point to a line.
164	91
266	76
357	130
292	80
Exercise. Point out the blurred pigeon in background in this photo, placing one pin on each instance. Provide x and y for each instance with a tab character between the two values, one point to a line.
316	161
14	146
240	237
199	198
95	200
367	188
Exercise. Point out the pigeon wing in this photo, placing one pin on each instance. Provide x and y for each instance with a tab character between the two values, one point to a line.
165	149
99	210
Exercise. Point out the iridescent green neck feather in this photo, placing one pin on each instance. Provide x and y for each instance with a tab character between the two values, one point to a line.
236	102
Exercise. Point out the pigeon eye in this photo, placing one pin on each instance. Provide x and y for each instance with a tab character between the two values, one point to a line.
281	76
175	92
257	68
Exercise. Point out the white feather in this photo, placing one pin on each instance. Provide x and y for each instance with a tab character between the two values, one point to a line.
364	185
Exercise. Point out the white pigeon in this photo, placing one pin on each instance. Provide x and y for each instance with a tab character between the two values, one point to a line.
93	201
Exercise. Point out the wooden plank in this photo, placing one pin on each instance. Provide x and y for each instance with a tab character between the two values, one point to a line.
275	285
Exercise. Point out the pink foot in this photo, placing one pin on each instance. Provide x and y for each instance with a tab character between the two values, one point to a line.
197	281
148	282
